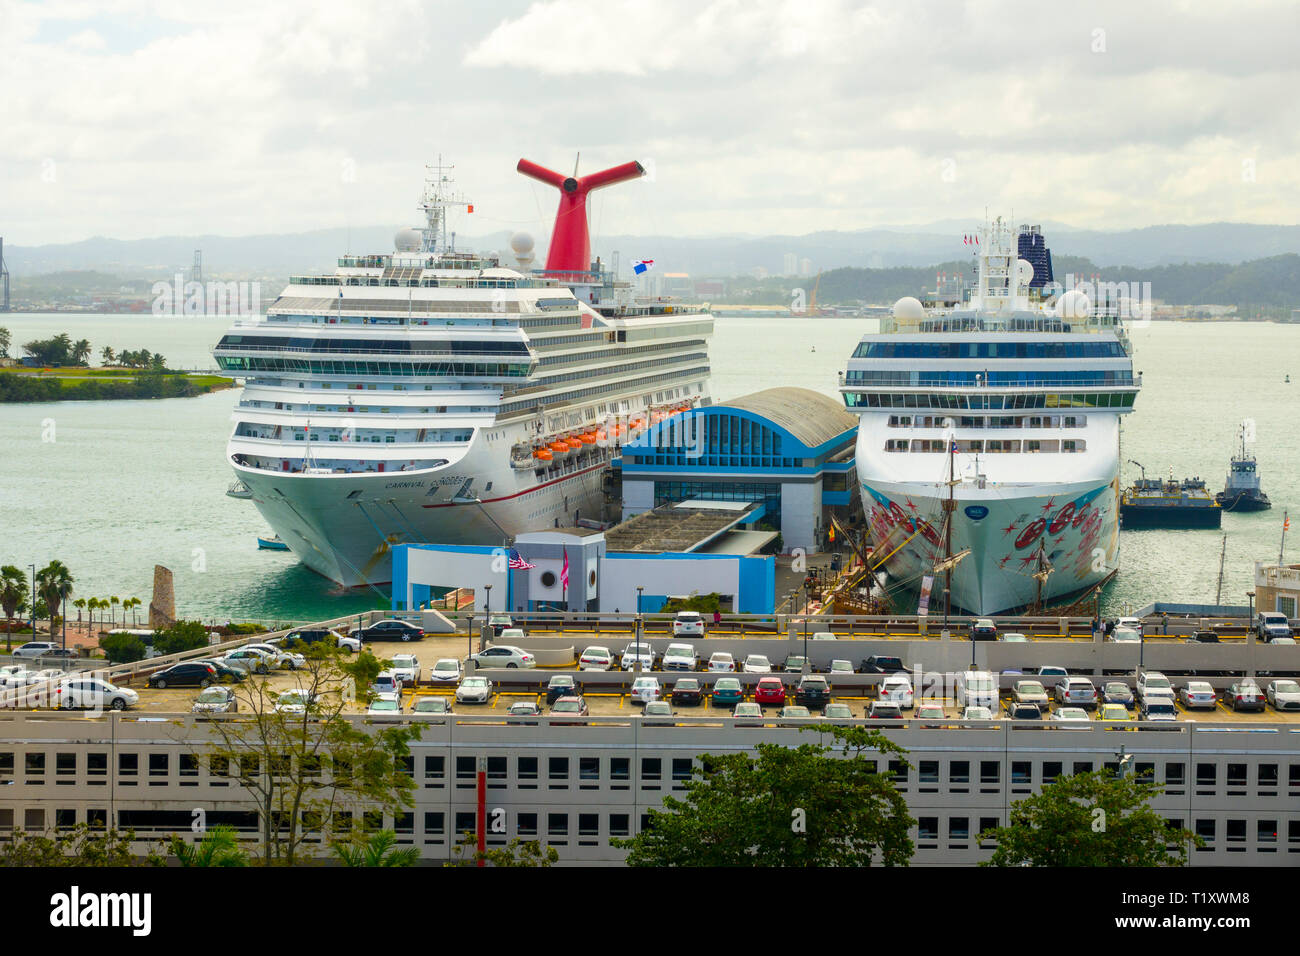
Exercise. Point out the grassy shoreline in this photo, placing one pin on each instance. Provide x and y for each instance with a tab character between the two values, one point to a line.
112	384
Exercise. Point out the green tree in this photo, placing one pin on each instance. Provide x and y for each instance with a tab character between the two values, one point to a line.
1090	819
516	853
54	351
80	352
178	637
130	604
219	847
6	339
317	771
122	648
107	355
789	806
379	849
113	602
77	846
13	598
54	585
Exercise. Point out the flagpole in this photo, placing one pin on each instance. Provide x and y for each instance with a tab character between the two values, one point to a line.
1282	545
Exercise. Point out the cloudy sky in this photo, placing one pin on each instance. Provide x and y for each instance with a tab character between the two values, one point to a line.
143	118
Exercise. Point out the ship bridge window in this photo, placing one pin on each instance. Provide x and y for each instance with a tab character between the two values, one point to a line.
896	444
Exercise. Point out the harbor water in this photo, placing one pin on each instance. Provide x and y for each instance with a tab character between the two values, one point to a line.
113	488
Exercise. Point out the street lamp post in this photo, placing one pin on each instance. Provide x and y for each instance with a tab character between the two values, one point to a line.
640	626
33	567
807	601
1250	608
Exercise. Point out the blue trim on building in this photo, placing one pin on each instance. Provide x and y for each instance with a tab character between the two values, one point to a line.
757	594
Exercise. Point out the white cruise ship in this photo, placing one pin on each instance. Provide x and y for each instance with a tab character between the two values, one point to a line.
430	395
988	444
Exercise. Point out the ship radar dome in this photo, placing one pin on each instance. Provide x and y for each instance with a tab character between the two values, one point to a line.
521	243
407	240
1074	305
908	310
1024	271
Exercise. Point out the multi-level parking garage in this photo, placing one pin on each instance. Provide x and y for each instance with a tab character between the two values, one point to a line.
1231	778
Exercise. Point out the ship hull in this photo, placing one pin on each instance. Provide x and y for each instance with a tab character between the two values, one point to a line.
1009	532
344	527
1243	501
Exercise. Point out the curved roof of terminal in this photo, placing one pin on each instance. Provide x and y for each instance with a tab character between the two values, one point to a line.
809	416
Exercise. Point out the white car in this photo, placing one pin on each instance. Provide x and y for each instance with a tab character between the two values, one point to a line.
722	663
1013	638
897	688
93	692
1198	693
385	705
34	649
756	664
884	710
511	634
747	709
294	702
431	705
680	657
596	658
1156	707
841	667
474	690
637	653
406	668
824	636
1283	695
1132	623
1071	716
978	688
977	712
386	683
41	677
1076	691
1154	684
13	675
447	670
688	624
250	659
1126	635
283	658
347	643
1029	692
504	655
645	689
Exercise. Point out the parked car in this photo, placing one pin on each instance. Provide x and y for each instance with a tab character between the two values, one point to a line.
878	664
644	690
215	700
294	702
510	635
1244	695
884	710
561	685
34	649
978	688
1076	691
1029	692
634	654
1050	673
385	705
317	635
60	654
1198	693
1284	694
770	690
687	690
432	705
474	690
722	663
748	710
406	668
524	708
1117	692
184	674
1125	635
658	708
282	657
1070	716
1157	707
837	711
595	658
1271	624
386	683
1154	684
446	670
898	688
1203	637
794	711
680	657
13	675
813	691
925	712
505	655
1113	712
757	664
840	667
225	672
94	692
824	636
1024	710
1132	623
794	664
977	712
388	630
726	692
984	630
250	659
567	707
1013	637
499	622
688	624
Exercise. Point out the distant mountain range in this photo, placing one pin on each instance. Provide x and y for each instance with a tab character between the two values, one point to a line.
882	248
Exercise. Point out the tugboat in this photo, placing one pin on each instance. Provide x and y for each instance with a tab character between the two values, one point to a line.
1152	503
1241	492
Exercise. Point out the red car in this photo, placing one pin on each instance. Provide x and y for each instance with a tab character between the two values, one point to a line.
770	690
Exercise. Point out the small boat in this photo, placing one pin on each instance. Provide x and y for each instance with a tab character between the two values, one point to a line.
1241	492
271	544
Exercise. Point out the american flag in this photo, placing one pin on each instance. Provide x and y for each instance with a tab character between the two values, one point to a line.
517	563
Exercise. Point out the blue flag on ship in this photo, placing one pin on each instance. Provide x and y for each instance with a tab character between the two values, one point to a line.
641	265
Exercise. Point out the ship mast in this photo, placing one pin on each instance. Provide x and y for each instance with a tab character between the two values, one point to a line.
437	199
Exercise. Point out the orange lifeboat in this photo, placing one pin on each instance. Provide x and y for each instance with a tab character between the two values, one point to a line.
573	443
543	454
559	449
587	438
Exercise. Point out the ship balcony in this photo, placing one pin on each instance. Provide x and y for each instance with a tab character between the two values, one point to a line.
265	444
964	382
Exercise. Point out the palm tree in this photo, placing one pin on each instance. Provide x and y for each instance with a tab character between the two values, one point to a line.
54	584
379	850
134	603
81	352
107	354
114	601
80	605
219	847
13	597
